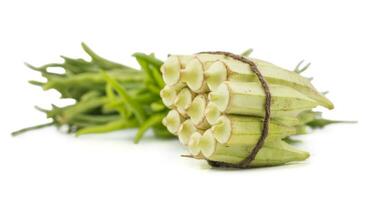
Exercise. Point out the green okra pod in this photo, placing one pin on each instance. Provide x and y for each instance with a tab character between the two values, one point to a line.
248	98
247	130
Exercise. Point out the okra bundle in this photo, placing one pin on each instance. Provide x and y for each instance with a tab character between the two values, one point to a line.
236	111
214	103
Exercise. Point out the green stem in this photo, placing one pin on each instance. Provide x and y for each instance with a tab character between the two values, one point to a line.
97	119
145	67
133	105
153	120
111	126
19	132
124	112
157	77
152	88
106	64
82	107
37	83
149	59
89	79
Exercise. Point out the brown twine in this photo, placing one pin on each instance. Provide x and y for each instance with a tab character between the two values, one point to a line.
265	129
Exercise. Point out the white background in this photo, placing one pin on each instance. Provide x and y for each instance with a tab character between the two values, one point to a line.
46	164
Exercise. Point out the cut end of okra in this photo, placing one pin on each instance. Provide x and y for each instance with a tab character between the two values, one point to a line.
168	95
215	75
173	121
185	131
212	113
197	109
171	70
183	100
193	75
193	144
220	97
207	143
222	130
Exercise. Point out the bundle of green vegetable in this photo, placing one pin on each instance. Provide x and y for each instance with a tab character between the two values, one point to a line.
108	96
214	103
236	111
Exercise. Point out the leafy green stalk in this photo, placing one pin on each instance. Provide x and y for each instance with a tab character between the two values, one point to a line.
109	96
